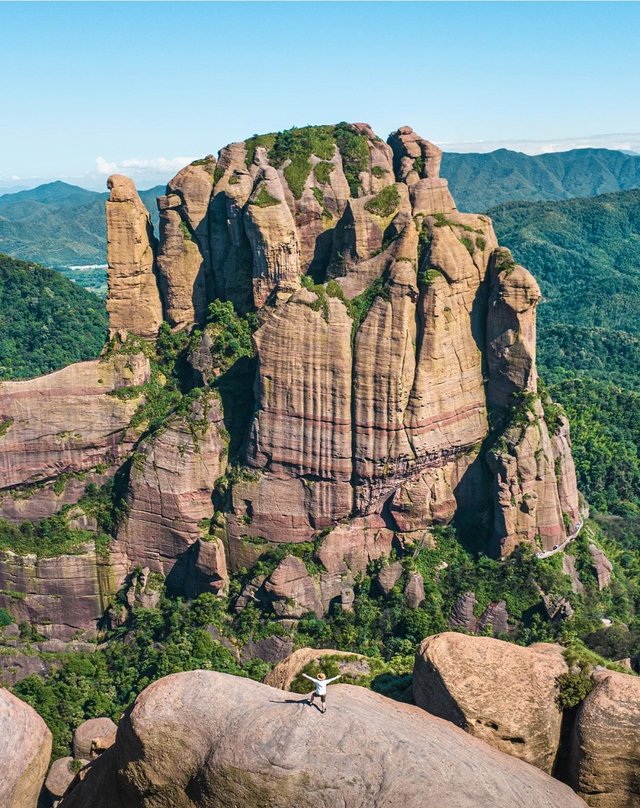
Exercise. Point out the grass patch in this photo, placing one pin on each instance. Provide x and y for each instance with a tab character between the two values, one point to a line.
263	199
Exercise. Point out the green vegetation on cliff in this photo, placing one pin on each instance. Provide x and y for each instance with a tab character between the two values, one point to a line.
46	321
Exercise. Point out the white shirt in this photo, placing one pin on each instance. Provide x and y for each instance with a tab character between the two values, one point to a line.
320	684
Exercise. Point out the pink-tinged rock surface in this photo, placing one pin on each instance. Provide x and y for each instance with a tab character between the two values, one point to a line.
273	237
499	692
184	259
349	547
193	737
302	427
293	590
527	501
90	736
69	421
62	597
60	777
569	568
24	752
601	566
170	491
605	747
133	300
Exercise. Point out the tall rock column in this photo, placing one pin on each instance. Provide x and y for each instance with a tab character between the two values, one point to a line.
184	260
133	300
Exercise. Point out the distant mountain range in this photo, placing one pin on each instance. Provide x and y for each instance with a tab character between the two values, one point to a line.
58	224
481	181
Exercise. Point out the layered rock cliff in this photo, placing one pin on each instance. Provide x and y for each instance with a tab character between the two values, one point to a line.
391	384
396	369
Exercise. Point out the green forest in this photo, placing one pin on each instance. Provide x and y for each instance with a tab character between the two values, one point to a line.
46	321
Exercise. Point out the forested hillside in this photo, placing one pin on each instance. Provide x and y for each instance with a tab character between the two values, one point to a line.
480	181
585	253
58	224
46	321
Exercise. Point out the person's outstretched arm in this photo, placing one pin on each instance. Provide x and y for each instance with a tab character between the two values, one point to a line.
334	678
310	678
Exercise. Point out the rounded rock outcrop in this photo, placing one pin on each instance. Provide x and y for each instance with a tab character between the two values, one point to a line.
90	734
209	739
605	746
25	746
496	691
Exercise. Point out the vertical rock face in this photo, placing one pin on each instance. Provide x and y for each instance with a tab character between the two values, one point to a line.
170	493
302	428
62	597
133	300
605	751
24	752
184	255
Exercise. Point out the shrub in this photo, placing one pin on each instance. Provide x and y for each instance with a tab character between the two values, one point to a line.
323	172
384	203
5	617
573	689
354	150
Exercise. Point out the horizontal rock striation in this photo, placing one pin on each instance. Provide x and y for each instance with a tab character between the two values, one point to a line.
69	423
238	742
63	597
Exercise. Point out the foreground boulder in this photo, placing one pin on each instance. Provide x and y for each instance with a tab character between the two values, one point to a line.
605	748
25	747
494	690
209	739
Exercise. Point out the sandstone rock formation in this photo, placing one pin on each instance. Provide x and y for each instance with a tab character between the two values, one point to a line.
170	496
184	252
24	752
605	747
601	566
60	777
385	407
89	737
70	422
496	691
133	300
63	597
238	742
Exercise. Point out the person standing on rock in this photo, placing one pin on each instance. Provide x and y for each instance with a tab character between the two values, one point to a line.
320	689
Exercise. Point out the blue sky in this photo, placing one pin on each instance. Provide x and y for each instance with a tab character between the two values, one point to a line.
86	88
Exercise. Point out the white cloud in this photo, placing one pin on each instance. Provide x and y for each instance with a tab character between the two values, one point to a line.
142	166
623	142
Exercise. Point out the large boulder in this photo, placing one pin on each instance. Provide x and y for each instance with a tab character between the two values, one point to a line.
605	747
496	691
60	777
89	737
25	748
209	739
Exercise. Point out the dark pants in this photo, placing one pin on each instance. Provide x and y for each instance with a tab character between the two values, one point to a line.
323	699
